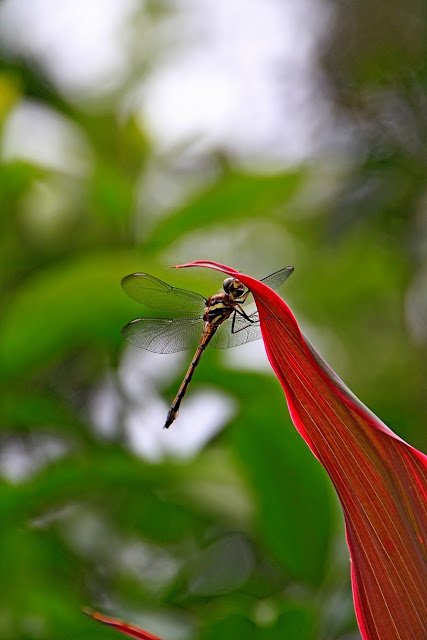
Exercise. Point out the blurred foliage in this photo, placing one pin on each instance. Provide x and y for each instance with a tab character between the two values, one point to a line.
245	538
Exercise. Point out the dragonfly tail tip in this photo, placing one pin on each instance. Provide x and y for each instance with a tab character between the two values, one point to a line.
172	415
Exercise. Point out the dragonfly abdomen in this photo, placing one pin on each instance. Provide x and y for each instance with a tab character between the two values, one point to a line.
208	332
218	309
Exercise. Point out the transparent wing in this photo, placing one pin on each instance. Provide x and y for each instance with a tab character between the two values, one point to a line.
162	335
274	281
244	332
158	295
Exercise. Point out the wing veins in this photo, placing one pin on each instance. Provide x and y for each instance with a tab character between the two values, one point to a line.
245	332
274	281
163	335
159	295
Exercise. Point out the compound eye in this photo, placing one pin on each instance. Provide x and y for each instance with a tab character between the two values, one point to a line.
227	285
237	288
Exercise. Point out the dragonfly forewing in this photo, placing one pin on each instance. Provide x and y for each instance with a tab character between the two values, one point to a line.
163	335
159	295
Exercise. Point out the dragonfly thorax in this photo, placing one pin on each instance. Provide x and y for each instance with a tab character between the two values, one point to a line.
233	287
218	308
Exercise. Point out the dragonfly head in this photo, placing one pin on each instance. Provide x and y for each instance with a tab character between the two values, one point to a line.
233	287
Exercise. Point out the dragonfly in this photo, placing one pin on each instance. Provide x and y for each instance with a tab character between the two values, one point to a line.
219	321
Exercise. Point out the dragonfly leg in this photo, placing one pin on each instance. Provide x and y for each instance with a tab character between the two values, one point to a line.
243	298
244	315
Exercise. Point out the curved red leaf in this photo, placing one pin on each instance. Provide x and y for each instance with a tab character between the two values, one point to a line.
127	629
381	481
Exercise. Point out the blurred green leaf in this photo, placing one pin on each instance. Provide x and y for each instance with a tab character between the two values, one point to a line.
15	178
232	626
39	409
294	621
74	304
234	199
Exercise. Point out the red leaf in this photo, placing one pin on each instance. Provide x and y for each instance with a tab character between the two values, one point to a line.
381	481
127	629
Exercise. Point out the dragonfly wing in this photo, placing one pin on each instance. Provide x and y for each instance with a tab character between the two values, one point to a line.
274	281
161	296
244	332
162	335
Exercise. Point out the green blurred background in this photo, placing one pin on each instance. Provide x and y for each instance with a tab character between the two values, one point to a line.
138	135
